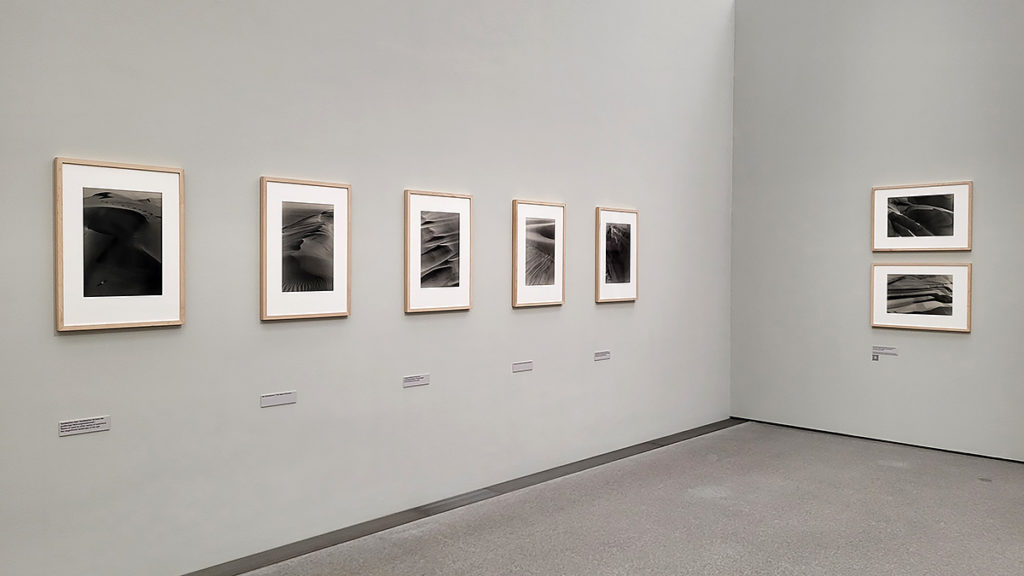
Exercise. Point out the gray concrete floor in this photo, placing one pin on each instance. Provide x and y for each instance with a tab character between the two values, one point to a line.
752	499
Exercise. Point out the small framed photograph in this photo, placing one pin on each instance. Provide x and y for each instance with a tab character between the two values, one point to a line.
438	251
538	253
616	253
921	296
921	217
304	249
120	245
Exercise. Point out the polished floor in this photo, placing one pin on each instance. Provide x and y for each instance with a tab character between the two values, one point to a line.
753	499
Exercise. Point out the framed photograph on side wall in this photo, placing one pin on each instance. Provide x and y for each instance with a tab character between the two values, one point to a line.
921	217
616	255
304	249
921	296
438	251
120	245
538	253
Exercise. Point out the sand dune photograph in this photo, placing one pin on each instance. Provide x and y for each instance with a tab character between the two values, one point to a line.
439	249
930	215
122	243
930	294
617	253
307	247
540	251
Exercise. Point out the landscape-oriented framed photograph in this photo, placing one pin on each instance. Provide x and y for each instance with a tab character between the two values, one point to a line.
616	264
304	249
538	253
921	217
120	245
921	296
438	251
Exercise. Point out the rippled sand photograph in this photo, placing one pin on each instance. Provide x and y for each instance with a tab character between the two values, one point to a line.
930	294
616	249
122	243
920	216
307	247
439	249
540	251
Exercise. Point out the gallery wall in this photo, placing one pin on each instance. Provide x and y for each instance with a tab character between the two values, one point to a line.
835	97
597	103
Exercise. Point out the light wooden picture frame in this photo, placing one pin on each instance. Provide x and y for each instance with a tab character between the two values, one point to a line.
538	253
615	258
438	251
921	296
119	245
922	217
305	249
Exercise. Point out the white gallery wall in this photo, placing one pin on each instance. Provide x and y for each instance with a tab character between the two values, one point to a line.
834	97
588	103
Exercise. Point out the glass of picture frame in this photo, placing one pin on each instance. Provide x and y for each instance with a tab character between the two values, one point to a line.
438	251
305	248
538	253
921	217
120	245
616	255
921	296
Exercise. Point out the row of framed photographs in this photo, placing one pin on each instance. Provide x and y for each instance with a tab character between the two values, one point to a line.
120	248
919	218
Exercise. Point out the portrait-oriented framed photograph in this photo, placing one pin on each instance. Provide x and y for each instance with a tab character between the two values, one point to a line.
921	217
616	255
438	251
305	249
538	253
120	245
921	296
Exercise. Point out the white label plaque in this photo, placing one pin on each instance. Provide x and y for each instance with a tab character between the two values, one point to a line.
602	355
83	425
278	398
415	380
524	366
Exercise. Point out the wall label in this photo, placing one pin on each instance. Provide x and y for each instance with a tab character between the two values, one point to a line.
524	366
83	425
602	355
879	351
415	380
278	398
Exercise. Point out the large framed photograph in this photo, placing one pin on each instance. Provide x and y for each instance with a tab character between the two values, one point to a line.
305	249
538	253
921	296
616	264
120	245
921	217
438	251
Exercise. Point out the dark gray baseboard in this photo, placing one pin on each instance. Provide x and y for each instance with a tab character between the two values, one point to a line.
288	551
822	431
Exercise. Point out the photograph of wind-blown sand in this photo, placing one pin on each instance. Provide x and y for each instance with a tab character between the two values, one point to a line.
307	247
439	249
616	251
122	243
540	251
920	216
930	294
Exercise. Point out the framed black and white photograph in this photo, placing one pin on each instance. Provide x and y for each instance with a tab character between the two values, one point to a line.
438	251
304	247
921	217
616	255
921	296
538	253
120	254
